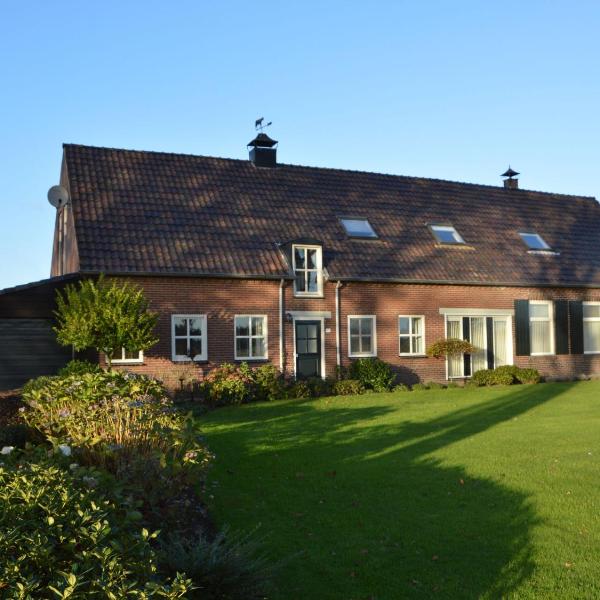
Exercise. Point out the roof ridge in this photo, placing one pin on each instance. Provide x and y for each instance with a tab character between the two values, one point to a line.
341	170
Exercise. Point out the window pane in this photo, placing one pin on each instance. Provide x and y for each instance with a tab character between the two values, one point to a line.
299	258
366	326
258	347
416	325
180	326
313	285
311	331
418	345
312	347
447	234
534	241
195	326
257	326
478	339
181	347
195	346
300	282
312	258
404	325
354	326
242	347
591	336
366	343
355	345
455	363
405	344
591	311
540	337
499	343
538	311
358	228
131	355
242	326
302	346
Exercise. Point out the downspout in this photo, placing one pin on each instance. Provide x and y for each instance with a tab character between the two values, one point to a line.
281	317
338	358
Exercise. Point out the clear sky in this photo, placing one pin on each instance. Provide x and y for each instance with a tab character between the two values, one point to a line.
447	89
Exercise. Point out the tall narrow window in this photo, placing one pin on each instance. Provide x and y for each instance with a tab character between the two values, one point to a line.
455	362
308	269
250	337
361	335
189	337
591	327
478	339
540	327
412	337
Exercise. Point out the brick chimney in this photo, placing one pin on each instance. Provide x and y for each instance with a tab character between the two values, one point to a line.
511	182
263	151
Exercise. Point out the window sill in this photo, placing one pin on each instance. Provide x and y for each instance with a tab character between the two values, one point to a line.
251	359
411	355
300	295
362	355
542	354
126	362
189	360
591	353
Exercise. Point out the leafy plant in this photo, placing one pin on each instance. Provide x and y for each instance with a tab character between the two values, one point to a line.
373	373
450	347
401	387
229	384
62	537
269	381
419	387
528	376
319	386
299	390
105	316
230	566
434	385
79	367
348	387
125	424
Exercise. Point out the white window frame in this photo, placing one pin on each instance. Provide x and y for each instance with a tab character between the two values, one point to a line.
373	335
459	241
550	321
265	336
536	235
306	270
199	357
128	361
411	335
590	320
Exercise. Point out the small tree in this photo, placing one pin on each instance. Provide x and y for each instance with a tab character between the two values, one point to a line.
105	316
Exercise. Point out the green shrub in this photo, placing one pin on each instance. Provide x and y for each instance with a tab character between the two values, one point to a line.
452	385
348	387
319	387
270	384
505	375
229	384
483	377
79	367
419	387
125	424
528	376
401	387
511	370
299	390
434	385
230	567
37	384
60	537
372	373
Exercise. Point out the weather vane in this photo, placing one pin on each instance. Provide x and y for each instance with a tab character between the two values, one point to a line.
258	124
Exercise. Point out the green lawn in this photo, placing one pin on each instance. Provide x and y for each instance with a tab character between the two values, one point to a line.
476	493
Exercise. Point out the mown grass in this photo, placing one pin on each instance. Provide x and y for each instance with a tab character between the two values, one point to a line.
476	493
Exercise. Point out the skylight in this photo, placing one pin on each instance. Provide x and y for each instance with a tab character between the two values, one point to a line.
446	234
534	241
359	228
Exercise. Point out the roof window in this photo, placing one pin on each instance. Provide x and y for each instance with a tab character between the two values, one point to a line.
534	241
446	234
358	228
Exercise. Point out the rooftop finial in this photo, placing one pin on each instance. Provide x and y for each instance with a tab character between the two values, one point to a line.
510	183
510	173
259	126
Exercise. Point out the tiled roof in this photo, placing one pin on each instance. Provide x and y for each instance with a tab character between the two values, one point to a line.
155	212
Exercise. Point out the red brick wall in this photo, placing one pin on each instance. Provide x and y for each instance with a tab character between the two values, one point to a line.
221	299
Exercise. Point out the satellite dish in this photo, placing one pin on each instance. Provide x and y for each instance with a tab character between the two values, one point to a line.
58	196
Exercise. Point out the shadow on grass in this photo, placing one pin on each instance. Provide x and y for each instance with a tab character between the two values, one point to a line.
375	514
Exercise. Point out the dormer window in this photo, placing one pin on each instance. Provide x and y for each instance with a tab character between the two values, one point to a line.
446	234
308	269
534	241
358	228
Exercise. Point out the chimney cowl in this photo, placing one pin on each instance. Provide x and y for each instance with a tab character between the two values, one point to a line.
263	151
511	183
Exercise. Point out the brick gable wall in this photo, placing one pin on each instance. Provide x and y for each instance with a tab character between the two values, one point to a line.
221	299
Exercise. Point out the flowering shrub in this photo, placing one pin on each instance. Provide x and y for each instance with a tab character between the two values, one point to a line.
79	367
229	384
61	537
123	423
269	383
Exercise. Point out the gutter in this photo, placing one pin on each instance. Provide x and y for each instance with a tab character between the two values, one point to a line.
281	317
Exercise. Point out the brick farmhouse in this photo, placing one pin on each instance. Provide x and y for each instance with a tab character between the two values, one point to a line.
309	268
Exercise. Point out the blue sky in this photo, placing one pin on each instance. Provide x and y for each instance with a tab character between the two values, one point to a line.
446	89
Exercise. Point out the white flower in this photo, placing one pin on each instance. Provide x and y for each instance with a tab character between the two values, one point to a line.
65	450
73	466
7	449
